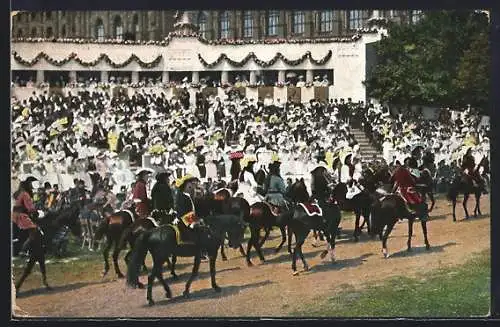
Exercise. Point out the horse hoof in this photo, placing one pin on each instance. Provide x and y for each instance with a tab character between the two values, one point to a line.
104	273
175	277
140	285
224	259
323	254
249	264
427	247
151	303
295	273
217	289
185	294
409	249
120	276
48	288
306	268
168	295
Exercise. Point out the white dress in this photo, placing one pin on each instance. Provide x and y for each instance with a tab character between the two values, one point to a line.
249	189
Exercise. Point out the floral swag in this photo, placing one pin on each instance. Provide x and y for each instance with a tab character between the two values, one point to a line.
73	56
265	64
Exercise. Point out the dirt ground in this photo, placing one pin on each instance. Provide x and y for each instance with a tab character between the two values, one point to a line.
269	289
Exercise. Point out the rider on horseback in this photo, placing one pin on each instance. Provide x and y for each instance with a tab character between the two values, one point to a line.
275	188
186	213
470	171
140	196
24	209
321	179
161	197
248	185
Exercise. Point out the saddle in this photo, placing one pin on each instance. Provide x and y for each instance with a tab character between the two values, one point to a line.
183	234
311	209
275	210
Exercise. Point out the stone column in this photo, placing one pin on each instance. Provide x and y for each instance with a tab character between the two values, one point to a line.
224	77
309	76
104	76
40	76
135	77
165	77
253	77
281	76
72	76
195	78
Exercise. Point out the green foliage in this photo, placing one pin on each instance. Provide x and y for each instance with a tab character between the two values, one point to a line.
442	60
462	291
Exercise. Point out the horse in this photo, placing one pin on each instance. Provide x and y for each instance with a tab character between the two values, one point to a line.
121	227
461	184
301	222
425	183
48	227
387	208
163	243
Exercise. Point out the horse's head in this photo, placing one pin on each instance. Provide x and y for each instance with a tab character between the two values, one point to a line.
298	191
236	233
339	192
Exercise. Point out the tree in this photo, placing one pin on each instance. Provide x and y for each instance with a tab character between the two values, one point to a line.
442	60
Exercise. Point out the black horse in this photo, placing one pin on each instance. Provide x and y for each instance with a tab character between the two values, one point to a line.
162	243
462	184
300	222
387	208
48	228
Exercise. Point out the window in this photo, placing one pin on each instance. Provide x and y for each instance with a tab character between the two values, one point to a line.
33	32
224	25
272	22
48	15
355	19
416	15
326	21
49	32
63	31
135	24
19	33
298	22
118	28
33	15
99	30
202	24
73	29
247	24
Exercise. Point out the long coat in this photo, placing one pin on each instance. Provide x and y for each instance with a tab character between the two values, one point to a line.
139	192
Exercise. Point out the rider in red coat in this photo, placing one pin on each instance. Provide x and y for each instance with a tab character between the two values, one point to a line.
139	194
405	182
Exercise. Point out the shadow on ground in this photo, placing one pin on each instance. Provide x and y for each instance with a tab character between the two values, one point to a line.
56	289
327	265
210	293
419	250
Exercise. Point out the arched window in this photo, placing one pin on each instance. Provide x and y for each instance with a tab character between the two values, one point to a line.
99	30
273	18
135	25
63	31
355	19
202	24
326	21
298	22
247	24
49	32
224	25
19	33
118	28
33	32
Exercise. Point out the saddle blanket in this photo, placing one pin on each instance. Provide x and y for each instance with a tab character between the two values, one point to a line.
352	192
178	237
312	209
155	223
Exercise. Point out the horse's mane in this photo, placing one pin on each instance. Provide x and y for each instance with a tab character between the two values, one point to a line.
299	191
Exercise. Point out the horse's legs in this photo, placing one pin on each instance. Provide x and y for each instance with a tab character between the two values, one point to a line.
223	255
151	279
464	203
283	238
385	237
454	206
172	267
26	272
306	267
105	254
410	232
212	260
357	228
116	254
289	233
157	271
242	251
366	218
424	230
254	238
433	201
477	210
261	242
196	267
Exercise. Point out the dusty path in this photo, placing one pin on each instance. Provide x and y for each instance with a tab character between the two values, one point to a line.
269	289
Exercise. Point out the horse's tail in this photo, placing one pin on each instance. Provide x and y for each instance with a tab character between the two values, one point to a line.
138	255
101	230
452	193
127	233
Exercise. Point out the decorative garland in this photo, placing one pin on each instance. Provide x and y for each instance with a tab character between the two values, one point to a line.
73	56
200	38
265	64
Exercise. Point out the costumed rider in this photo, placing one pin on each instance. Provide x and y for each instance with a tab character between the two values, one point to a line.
184	205
321	179
24	211
139	193
162	197
248	185
274	187
347	175
470	171
405	184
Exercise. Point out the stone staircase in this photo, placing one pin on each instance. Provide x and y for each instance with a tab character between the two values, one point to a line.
367	151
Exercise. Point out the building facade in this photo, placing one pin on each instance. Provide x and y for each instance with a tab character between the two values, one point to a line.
213	25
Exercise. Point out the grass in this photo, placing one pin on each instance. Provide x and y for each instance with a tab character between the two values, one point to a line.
461	291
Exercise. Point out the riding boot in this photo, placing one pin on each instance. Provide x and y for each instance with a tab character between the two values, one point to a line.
31	237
